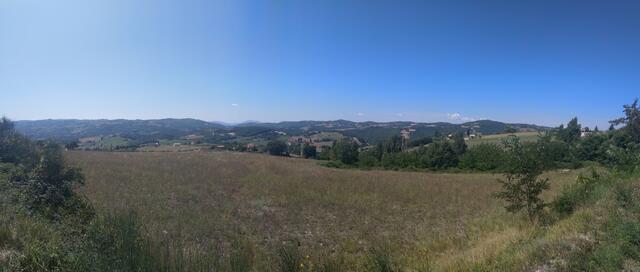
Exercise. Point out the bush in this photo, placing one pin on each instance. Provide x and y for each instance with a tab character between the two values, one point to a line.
309	151
368	159
277	148
402	160
577	194
483	157
438	155
345	151
521	188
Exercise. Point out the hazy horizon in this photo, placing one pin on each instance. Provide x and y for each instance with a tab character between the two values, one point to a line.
263	122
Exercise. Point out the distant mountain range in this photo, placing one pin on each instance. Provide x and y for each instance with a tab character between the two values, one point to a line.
141	131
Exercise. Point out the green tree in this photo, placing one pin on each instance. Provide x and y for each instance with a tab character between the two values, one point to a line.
49	186
392	145
277	148
308	151
483	157
459	146
420	142
592	148
631	121
521	188
368	158
345	151
15	148
571	133
438	155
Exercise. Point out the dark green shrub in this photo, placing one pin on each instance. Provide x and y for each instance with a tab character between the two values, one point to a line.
577	194
483	157
345	151
368	159
277	148
309	151
438	155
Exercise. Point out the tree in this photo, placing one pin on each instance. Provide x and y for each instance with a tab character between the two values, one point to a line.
459	146
420	142
438	155
71	145
368	158
345	151
483	157
571	133
392	145
277	148
631	121
308	151
49	187
592	148
521	188
14	147
612	127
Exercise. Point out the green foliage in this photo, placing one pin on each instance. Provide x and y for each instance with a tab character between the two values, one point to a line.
553	154
48	187
325	155
277	148
579	193
510	129
483	157
571	133
623	159
345	151
459	147
402	160
631	121
420	142
592	148
15	148
309	151
392	145
438	155
368	158
619	236
116	243
521	188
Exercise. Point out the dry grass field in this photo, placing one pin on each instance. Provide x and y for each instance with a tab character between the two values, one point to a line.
497	138
213	198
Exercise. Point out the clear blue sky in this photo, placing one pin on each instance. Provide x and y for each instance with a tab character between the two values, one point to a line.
519	61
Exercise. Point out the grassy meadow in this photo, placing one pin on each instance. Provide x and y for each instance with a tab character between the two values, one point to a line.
438	221
497	138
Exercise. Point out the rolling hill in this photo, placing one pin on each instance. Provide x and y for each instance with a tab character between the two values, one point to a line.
141	131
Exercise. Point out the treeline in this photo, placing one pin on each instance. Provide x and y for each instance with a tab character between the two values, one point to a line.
564	147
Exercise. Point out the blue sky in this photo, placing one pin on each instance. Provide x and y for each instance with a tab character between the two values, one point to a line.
518	61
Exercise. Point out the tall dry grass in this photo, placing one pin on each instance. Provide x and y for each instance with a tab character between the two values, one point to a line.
204	199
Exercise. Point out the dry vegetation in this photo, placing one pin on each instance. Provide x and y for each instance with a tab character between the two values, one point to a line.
213	198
